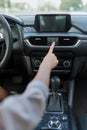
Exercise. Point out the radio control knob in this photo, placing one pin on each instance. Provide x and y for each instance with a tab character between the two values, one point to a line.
66	63
37	63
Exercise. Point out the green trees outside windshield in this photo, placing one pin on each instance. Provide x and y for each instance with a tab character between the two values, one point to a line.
71	5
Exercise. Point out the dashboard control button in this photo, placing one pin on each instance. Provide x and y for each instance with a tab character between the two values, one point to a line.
64	118
66	63
54	123
27	29
36	63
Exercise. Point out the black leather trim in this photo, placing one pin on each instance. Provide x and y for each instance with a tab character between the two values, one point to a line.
73	125
83	122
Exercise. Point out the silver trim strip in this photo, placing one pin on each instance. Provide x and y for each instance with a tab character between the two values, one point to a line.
62	71
29	44
1	36
71	93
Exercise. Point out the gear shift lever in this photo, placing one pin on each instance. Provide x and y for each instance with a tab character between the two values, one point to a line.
54	104
55	84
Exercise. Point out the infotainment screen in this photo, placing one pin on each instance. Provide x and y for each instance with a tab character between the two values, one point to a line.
52	22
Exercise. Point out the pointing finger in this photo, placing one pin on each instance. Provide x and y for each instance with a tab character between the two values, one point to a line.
52	47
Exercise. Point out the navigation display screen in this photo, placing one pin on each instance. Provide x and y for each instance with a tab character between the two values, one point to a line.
52	23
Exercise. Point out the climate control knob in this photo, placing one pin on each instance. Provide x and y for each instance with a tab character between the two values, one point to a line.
36	63
66	64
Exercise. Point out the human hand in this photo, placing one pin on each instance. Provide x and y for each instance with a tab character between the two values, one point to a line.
3	93
50	60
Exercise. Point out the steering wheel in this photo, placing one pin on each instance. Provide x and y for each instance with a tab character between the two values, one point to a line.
5	42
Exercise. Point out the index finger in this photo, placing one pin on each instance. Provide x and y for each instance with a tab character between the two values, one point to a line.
52	47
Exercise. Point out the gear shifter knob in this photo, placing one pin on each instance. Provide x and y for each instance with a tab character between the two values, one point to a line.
55	84
54	101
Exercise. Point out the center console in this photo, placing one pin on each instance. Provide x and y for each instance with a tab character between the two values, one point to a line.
63	68
65	61
57	115
68	45
38	48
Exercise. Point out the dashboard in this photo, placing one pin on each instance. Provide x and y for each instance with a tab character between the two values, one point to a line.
31	45
70	46
26	39
28	50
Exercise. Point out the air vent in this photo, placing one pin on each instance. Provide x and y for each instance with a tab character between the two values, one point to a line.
38	41
46	41
67	41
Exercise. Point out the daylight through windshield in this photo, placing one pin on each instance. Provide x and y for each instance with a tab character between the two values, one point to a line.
34	6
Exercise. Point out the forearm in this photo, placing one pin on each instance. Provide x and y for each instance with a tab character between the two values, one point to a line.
49	62
23	112
43	74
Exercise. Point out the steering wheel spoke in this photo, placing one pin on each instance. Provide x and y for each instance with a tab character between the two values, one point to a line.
1	38
2	51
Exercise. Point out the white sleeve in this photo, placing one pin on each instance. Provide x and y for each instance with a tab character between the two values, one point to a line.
24	111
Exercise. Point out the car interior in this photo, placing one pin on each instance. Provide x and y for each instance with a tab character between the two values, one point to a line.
25	40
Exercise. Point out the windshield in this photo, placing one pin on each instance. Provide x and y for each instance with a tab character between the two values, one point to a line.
39	6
